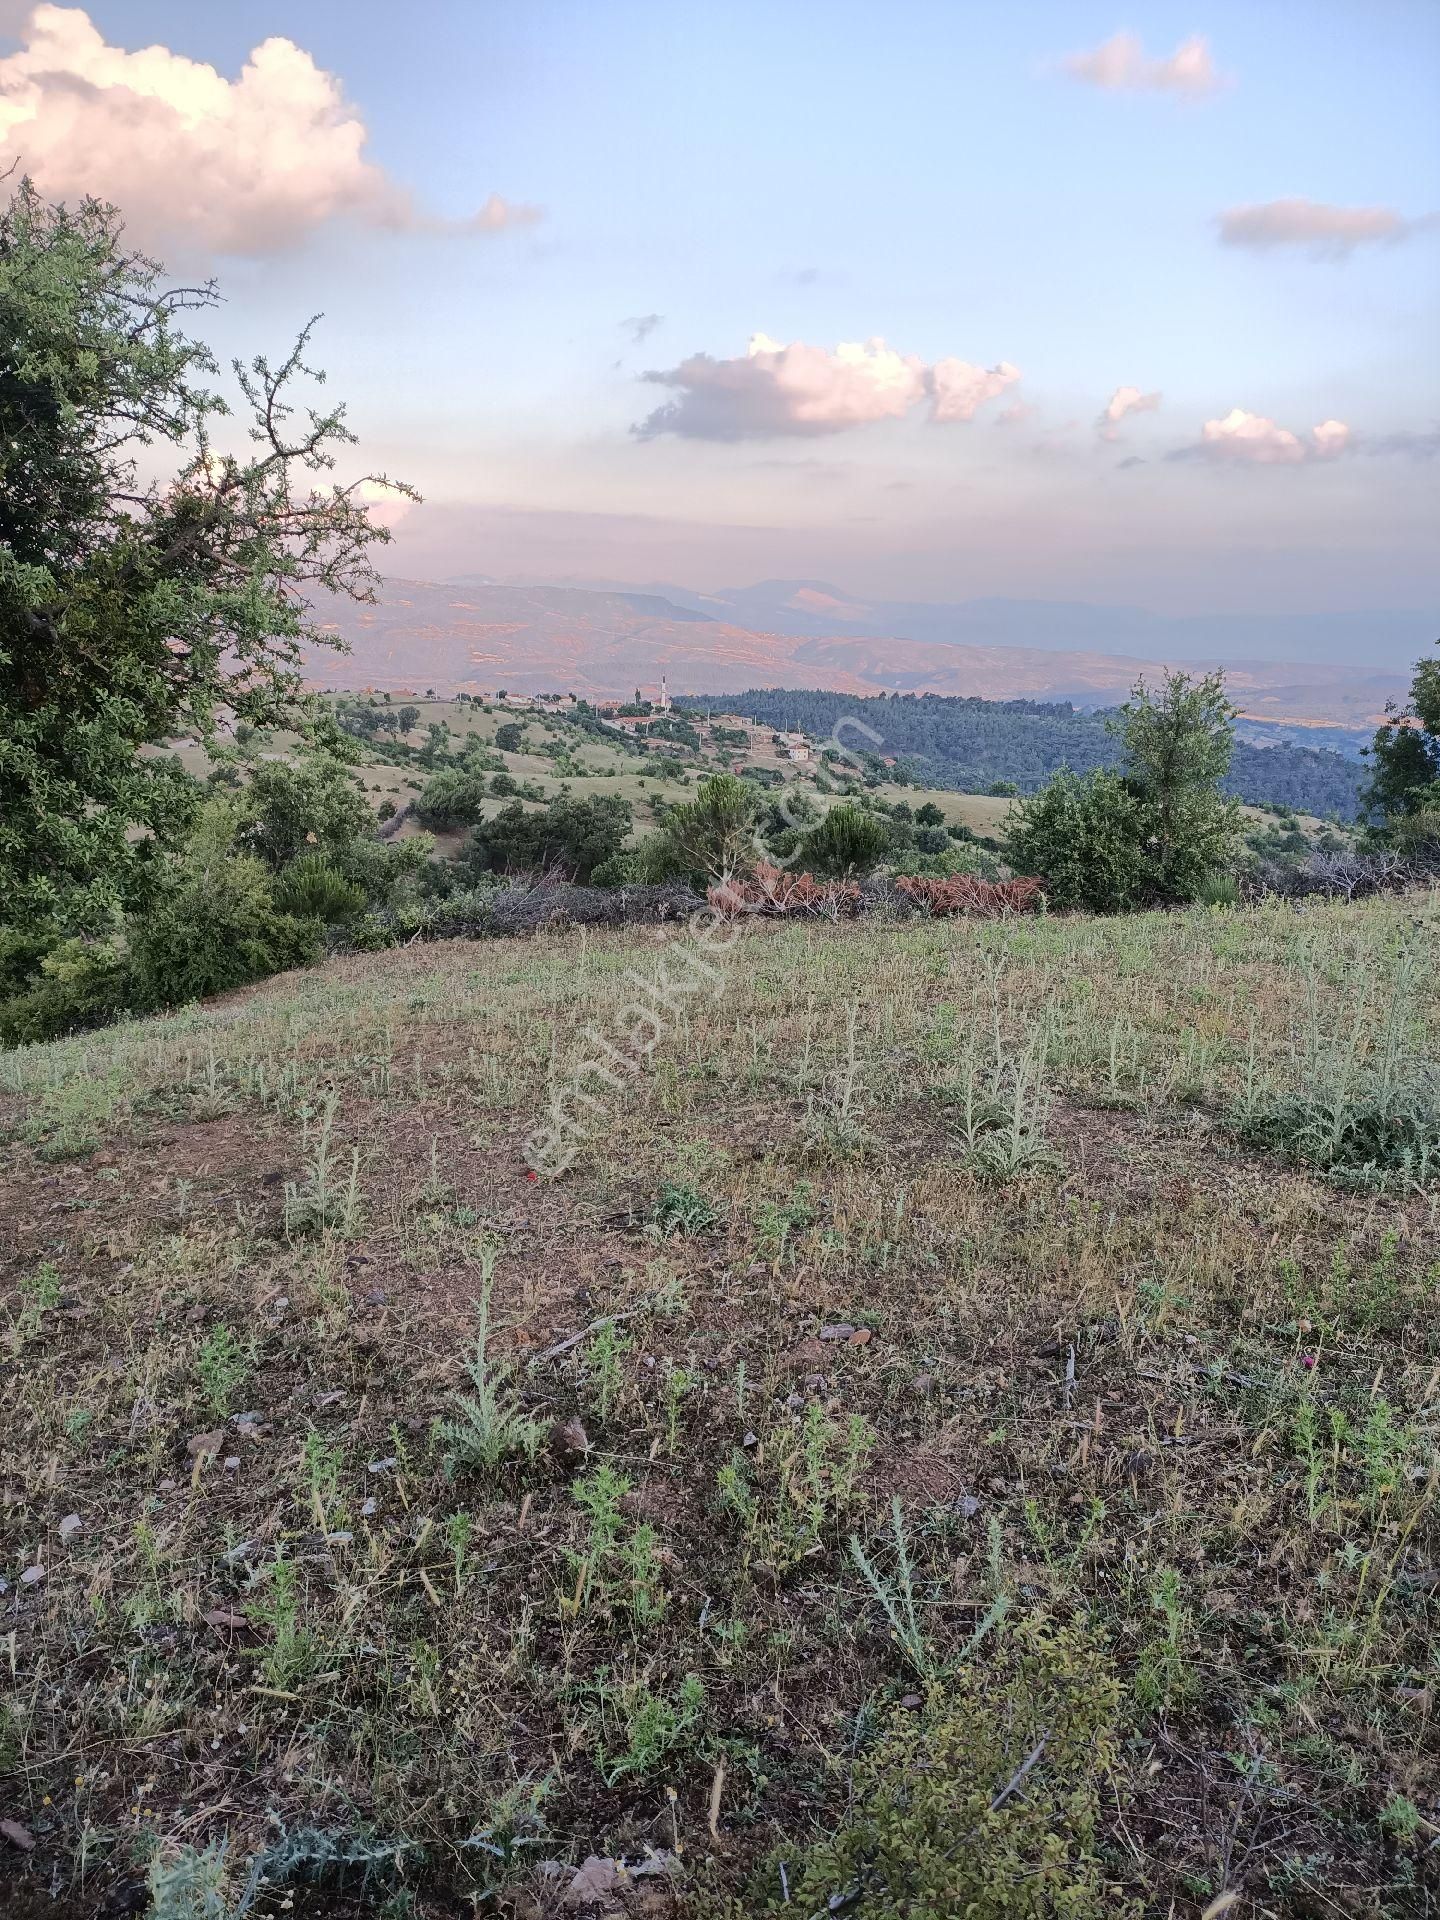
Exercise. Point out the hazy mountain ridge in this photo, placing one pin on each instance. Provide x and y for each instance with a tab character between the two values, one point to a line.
475	636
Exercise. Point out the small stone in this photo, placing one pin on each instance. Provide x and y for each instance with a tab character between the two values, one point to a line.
166	1486
382	1466
205	1446
369	1508
222	1617
838	1330
861	1337
569	1439
32	1576
923	1384
232	1463
70	1526
18	1835
967	1506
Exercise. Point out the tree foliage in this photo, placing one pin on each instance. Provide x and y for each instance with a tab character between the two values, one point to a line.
713	835
153	565
1152	834
848	842
1403	795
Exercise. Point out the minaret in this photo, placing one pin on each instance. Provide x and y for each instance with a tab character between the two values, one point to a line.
664	696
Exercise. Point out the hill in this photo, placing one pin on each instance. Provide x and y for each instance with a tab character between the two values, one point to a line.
604	643
970	744
906	1395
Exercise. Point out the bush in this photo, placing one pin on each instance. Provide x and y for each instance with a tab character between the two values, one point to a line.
946	896
510	738
79	984
454	797
217	925
568	836
848	841
1086	838
937	1827
714	835
311	889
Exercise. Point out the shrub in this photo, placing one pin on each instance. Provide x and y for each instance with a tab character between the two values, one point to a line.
217	926
964	893
1086	838
568	836
79	984
988	1802
311	889
713	834
510	738
454	797
847	842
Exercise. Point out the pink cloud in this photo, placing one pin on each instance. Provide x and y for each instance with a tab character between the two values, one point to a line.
242	166
1326	232
1253	439
775	389
1121	64
1124	401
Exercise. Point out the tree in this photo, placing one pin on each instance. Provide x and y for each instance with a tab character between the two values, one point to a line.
407	719
1177	746
569	836
713	835
1152	834
1084	835
848	841
1403	795
131	608
511	737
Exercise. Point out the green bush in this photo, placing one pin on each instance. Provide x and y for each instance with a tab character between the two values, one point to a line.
569	836
454	797
944	1821
1085	838
847	842
714	834
79	984
311	889
217	925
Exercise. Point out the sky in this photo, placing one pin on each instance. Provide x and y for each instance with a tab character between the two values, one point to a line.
931	301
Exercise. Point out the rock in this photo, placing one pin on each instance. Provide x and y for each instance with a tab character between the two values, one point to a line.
604	1885
17	1835
205	1446
806	1357
32	1576
861	1337
70	1526
967	1506
923	1384
569	1439
387	1465
222	1617
232	1463
837	1330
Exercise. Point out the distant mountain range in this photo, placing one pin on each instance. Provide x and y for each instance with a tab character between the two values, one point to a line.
813	609
476	636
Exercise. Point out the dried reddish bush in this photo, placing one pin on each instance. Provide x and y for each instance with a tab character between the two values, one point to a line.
772	890
945	895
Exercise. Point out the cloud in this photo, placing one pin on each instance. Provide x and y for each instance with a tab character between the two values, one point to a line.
640	326
1252	439
957	388
1326	233
775	389
245	166
1123	401
1122	65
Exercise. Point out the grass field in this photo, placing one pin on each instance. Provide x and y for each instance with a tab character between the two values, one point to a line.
920	1460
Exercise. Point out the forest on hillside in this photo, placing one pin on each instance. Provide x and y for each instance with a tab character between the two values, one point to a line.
970	744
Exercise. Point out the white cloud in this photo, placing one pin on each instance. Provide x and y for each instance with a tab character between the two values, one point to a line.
1124	400
1327	233
241	166
1121	64
957	388
1253	439
777	389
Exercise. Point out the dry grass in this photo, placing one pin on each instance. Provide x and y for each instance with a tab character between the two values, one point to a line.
1137	1388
